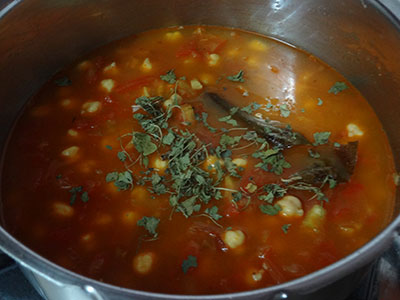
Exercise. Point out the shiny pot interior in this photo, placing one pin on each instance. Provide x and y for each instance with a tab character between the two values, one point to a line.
360	39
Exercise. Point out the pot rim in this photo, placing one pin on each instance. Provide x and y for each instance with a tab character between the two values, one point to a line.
305	284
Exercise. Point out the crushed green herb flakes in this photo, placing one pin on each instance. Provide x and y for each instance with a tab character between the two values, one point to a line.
227	140
170	77
313	154
273	191
189	206
228	119
122	156
169	138
269	209
272	160
76	192
337	88
285	228
252	107
213	213
285	112
231	167
123	180
190	262
237	196
158	187
303	186
321	138
204	117
108	147
150	224
238	77
143	143
85	197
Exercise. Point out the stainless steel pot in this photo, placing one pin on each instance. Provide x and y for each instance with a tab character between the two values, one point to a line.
361	39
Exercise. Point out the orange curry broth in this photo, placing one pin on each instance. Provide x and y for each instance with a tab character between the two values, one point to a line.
100	238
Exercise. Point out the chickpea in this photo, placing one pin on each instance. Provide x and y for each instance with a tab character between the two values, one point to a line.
143	263
233	238
70	152
107	84
63	209
147	65
291	206
90	107
354	130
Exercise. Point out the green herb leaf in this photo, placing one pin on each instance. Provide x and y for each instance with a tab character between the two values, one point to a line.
336	144
252	107
237	78
338	87
204	117
237	196
85	197
143	143
231	167
169	138
274	191
108	147
173	200
189	206
112	176
122	156
74	194
150	224
320	102
63	81
170	77
285	112
313	154
321	138
190	262
75	191
250	136
269	209
285	228
272	160
332	183
303	186
213	213
228	119
123	180
227	140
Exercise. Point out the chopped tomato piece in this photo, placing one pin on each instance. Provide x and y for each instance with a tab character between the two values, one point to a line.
135	84
200	46
93	73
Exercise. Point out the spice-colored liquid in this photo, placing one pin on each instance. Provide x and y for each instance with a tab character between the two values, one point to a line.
58	202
